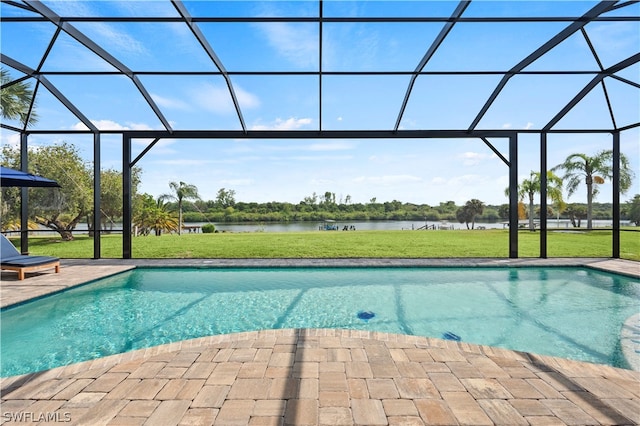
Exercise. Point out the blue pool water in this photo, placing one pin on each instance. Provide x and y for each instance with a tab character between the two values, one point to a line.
568	312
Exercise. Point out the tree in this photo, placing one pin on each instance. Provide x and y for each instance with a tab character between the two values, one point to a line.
10	210
60	209
467	213
522	211
503	211
181	192
593	171
447	207
576	213
312	200
111	194
154	215
329	198
634	211
530	187
226	198
15	100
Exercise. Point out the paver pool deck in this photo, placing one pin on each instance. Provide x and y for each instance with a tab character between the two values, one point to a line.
317	376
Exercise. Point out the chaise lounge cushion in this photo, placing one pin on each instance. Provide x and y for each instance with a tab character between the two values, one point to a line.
10	258
26	261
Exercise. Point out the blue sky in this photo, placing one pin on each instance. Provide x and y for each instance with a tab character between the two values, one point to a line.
419	171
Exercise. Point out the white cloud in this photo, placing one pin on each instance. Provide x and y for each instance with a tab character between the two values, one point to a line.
529	125
217	99
288	124
111	125
506	126
472	158
614	36
170	103
150	8
297	43
120	41
139	126
213	98
246	99
365	45
109	37
10	138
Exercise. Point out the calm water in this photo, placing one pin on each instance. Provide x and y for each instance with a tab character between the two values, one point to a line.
568	312
376	225
368	225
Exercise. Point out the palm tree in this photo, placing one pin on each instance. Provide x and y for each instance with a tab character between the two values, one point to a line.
15	100
554	192
154	215
181	191
595	170
530	187
160	219
469	211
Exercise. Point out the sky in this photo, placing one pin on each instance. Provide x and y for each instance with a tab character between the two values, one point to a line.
418	171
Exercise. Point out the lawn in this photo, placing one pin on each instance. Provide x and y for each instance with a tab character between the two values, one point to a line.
358	244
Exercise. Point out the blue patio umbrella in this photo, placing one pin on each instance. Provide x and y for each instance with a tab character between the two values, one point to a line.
11	177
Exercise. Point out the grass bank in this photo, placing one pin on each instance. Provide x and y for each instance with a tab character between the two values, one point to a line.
358	244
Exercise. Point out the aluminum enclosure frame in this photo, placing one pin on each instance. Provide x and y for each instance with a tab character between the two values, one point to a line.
128	163
575	25
511	162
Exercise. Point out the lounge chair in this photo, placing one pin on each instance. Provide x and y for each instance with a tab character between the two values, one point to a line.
11	259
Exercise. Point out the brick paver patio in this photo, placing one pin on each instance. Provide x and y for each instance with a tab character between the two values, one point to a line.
326	377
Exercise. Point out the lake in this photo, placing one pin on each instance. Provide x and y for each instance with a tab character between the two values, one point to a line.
371	225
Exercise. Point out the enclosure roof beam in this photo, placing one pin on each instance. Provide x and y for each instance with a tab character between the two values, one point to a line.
625	4
624	80
593	83
328	19
182	10
320	44
18	5
430	52
13	129
144	151
325	134
601	7
604	86
495	151
51	87
95	48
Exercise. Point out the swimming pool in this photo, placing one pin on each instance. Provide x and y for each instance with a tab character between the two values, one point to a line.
573	313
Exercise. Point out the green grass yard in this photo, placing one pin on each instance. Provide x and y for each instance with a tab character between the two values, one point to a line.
358	244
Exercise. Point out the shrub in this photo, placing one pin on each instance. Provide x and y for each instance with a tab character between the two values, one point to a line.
209	228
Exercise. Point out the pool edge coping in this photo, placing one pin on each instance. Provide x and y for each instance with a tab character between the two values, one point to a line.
7	384
601	264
